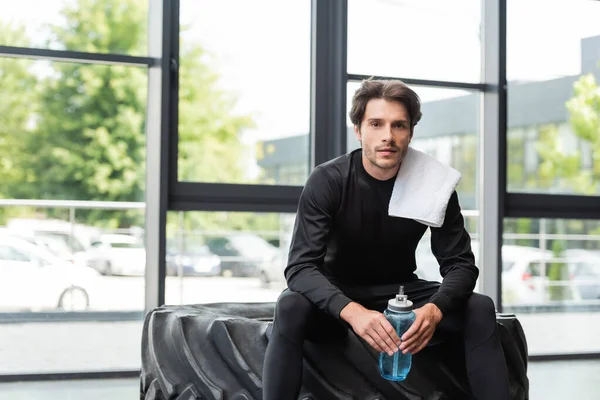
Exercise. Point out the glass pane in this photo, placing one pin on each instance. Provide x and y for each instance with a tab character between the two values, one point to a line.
553	97
551	279
226	256
84	126
244	97
425	39
96	26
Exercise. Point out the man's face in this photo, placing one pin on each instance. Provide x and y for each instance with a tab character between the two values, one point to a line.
385	135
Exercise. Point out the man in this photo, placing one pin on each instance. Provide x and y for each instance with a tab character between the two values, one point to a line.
348	257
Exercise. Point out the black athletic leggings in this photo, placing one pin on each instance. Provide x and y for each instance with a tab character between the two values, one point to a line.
297	320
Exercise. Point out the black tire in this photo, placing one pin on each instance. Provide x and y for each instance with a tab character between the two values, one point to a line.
67	295
216	351
264	279
107	270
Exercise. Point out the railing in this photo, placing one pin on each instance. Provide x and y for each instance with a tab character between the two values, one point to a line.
182	235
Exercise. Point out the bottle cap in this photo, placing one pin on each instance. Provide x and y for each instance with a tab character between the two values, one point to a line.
400	302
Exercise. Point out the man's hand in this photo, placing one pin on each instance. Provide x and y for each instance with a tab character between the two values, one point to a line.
373	327
421	331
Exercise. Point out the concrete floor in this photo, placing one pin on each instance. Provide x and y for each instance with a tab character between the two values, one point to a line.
552	380
114	389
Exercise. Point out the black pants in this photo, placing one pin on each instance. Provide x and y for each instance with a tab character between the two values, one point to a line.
297	320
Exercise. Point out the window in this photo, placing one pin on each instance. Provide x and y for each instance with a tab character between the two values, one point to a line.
243	256
9	253
71	131
97	26
553	97
554	282
425	39
90	120
244	92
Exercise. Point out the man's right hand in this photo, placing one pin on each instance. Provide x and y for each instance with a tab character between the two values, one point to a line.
372	326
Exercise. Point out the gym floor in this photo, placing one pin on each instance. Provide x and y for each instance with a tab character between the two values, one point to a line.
549	380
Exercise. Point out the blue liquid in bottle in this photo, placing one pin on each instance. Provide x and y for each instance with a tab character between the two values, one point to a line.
399	313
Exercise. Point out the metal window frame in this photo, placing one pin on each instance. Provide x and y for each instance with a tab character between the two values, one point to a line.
70	376
329	43
490	155
132	374
427	82
197	196
163	26
78	56
559	206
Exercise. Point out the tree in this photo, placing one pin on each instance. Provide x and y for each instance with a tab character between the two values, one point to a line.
89	135
565	170
209	132
584	109
17	108
86	123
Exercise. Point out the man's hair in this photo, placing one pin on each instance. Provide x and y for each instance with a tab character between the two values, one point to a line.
390	90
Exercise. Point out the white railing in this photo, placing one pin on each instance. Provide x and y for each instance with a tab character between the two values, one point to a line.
181	235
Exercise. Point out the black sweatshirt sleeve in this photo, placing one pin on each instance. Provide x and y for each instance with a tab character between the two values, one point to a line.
314	219
451	245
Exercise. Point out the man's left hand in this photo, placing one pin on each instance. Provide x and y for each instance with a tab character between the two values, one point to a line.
421	331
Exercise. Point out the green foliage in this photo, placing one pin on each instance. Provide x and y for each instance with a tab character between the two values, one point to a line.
209	143
220	223
17	108
524	225
558	169
584	109
515	154
103	26
89	137
565	171
86	123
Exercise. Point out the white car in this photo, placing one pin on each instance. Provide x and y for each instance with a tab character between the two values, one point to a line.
523	280
584	274
32	278
117	254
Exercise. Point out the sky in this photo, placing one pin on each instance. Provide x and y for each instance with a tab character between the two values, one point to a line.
261	48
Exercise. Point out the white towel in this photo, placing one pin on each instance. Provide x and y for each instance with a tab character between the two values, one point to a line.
422	189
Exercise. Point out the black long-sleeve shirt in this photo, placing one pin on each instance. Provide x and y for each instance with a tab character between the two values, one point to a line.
344	237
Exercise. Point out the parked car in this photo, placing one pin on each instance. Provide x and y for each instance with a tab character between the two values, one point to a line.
74	237
32	278
193	261
584	272
247	255
524	281
117	254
